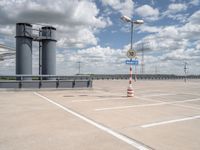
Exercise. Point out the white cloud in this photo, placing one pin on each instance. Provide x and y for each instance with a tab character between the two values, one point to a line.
191	30
125	7
194	2
79	39
167	39
195	18
198	46
176	7
179	17
169	32
175	37
149	29
175	10
7	30
178	55
148	12
174	45
96	60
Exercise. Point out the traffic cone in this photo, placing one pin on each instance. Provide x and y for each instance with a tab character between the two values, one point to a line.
130	92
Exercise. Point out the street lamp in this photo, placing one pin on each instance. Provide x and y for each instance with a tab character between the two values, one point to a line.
138	22
130	92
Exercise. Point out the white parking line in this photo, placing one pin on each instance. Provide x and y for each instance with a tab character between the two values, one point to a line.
148	91
162	94
100	99
145	105
129	106
190	94
115	98
186	106
147	99
170	121
126	139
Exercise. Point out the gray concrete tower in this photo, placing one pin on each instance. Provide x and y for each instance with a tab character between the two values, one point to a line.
23	49
48	50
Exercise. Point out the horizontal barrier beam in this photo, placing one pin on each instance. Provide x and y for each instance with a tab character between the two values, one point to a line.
98	77
46	84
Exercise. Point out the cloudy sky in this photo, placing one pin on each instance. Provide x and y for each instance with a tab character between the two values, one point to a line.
92	32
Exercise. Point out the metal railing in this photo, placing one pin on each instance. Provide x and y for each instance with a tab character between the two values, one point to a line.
44	81
97	77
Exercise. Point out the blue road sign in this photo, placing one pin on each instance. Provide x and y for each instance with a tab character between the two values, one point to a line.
132	62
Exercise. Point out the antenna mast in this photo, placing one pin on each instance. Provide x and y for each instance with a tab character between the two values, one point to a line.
185	70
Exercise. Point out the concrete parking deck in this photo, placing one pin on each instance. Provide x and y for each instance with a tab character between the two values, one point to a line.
163	115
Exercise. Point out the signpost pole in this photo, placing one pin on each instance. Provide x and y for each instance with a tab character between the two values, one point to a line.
130	92
131	72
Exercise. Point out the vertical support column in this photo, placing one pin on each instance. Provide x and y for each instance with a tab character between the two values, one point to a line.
40	54
48	51
24	49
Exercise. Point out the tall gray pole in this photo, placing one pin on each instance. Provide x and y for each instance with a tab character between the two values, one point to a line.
40	54
79	67
131	35
185	70
142	62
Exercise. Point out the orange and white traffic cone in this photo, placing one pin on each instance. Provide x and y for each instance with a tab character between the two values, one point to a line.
130	92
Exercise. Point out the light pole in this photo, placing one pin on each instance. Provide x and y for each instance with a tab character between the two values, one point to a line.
130	92
79	67
185	70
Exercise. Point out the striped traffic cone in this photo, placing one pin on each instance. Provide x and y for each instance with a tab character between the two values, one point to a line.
130	92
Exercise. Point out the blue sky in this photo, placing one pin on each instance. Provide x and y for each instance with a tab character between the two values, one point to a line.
92	32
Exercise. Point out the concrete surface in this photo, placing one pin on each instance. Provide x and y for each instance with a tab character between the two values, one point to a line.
163	115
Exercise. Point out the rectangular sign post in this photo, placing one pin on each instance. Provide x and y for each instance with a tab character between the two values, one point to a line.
132	62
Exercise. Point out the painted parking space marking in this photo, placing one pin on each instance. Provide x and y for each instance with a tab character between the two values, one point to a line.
186	106
148	91
147	99
162	94
146	105
115	98
119	136
129	106
170	121
100	99
190	93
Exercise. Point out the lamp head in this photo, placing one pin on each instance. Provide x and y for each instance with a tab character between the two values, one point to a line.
126	19
138	22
